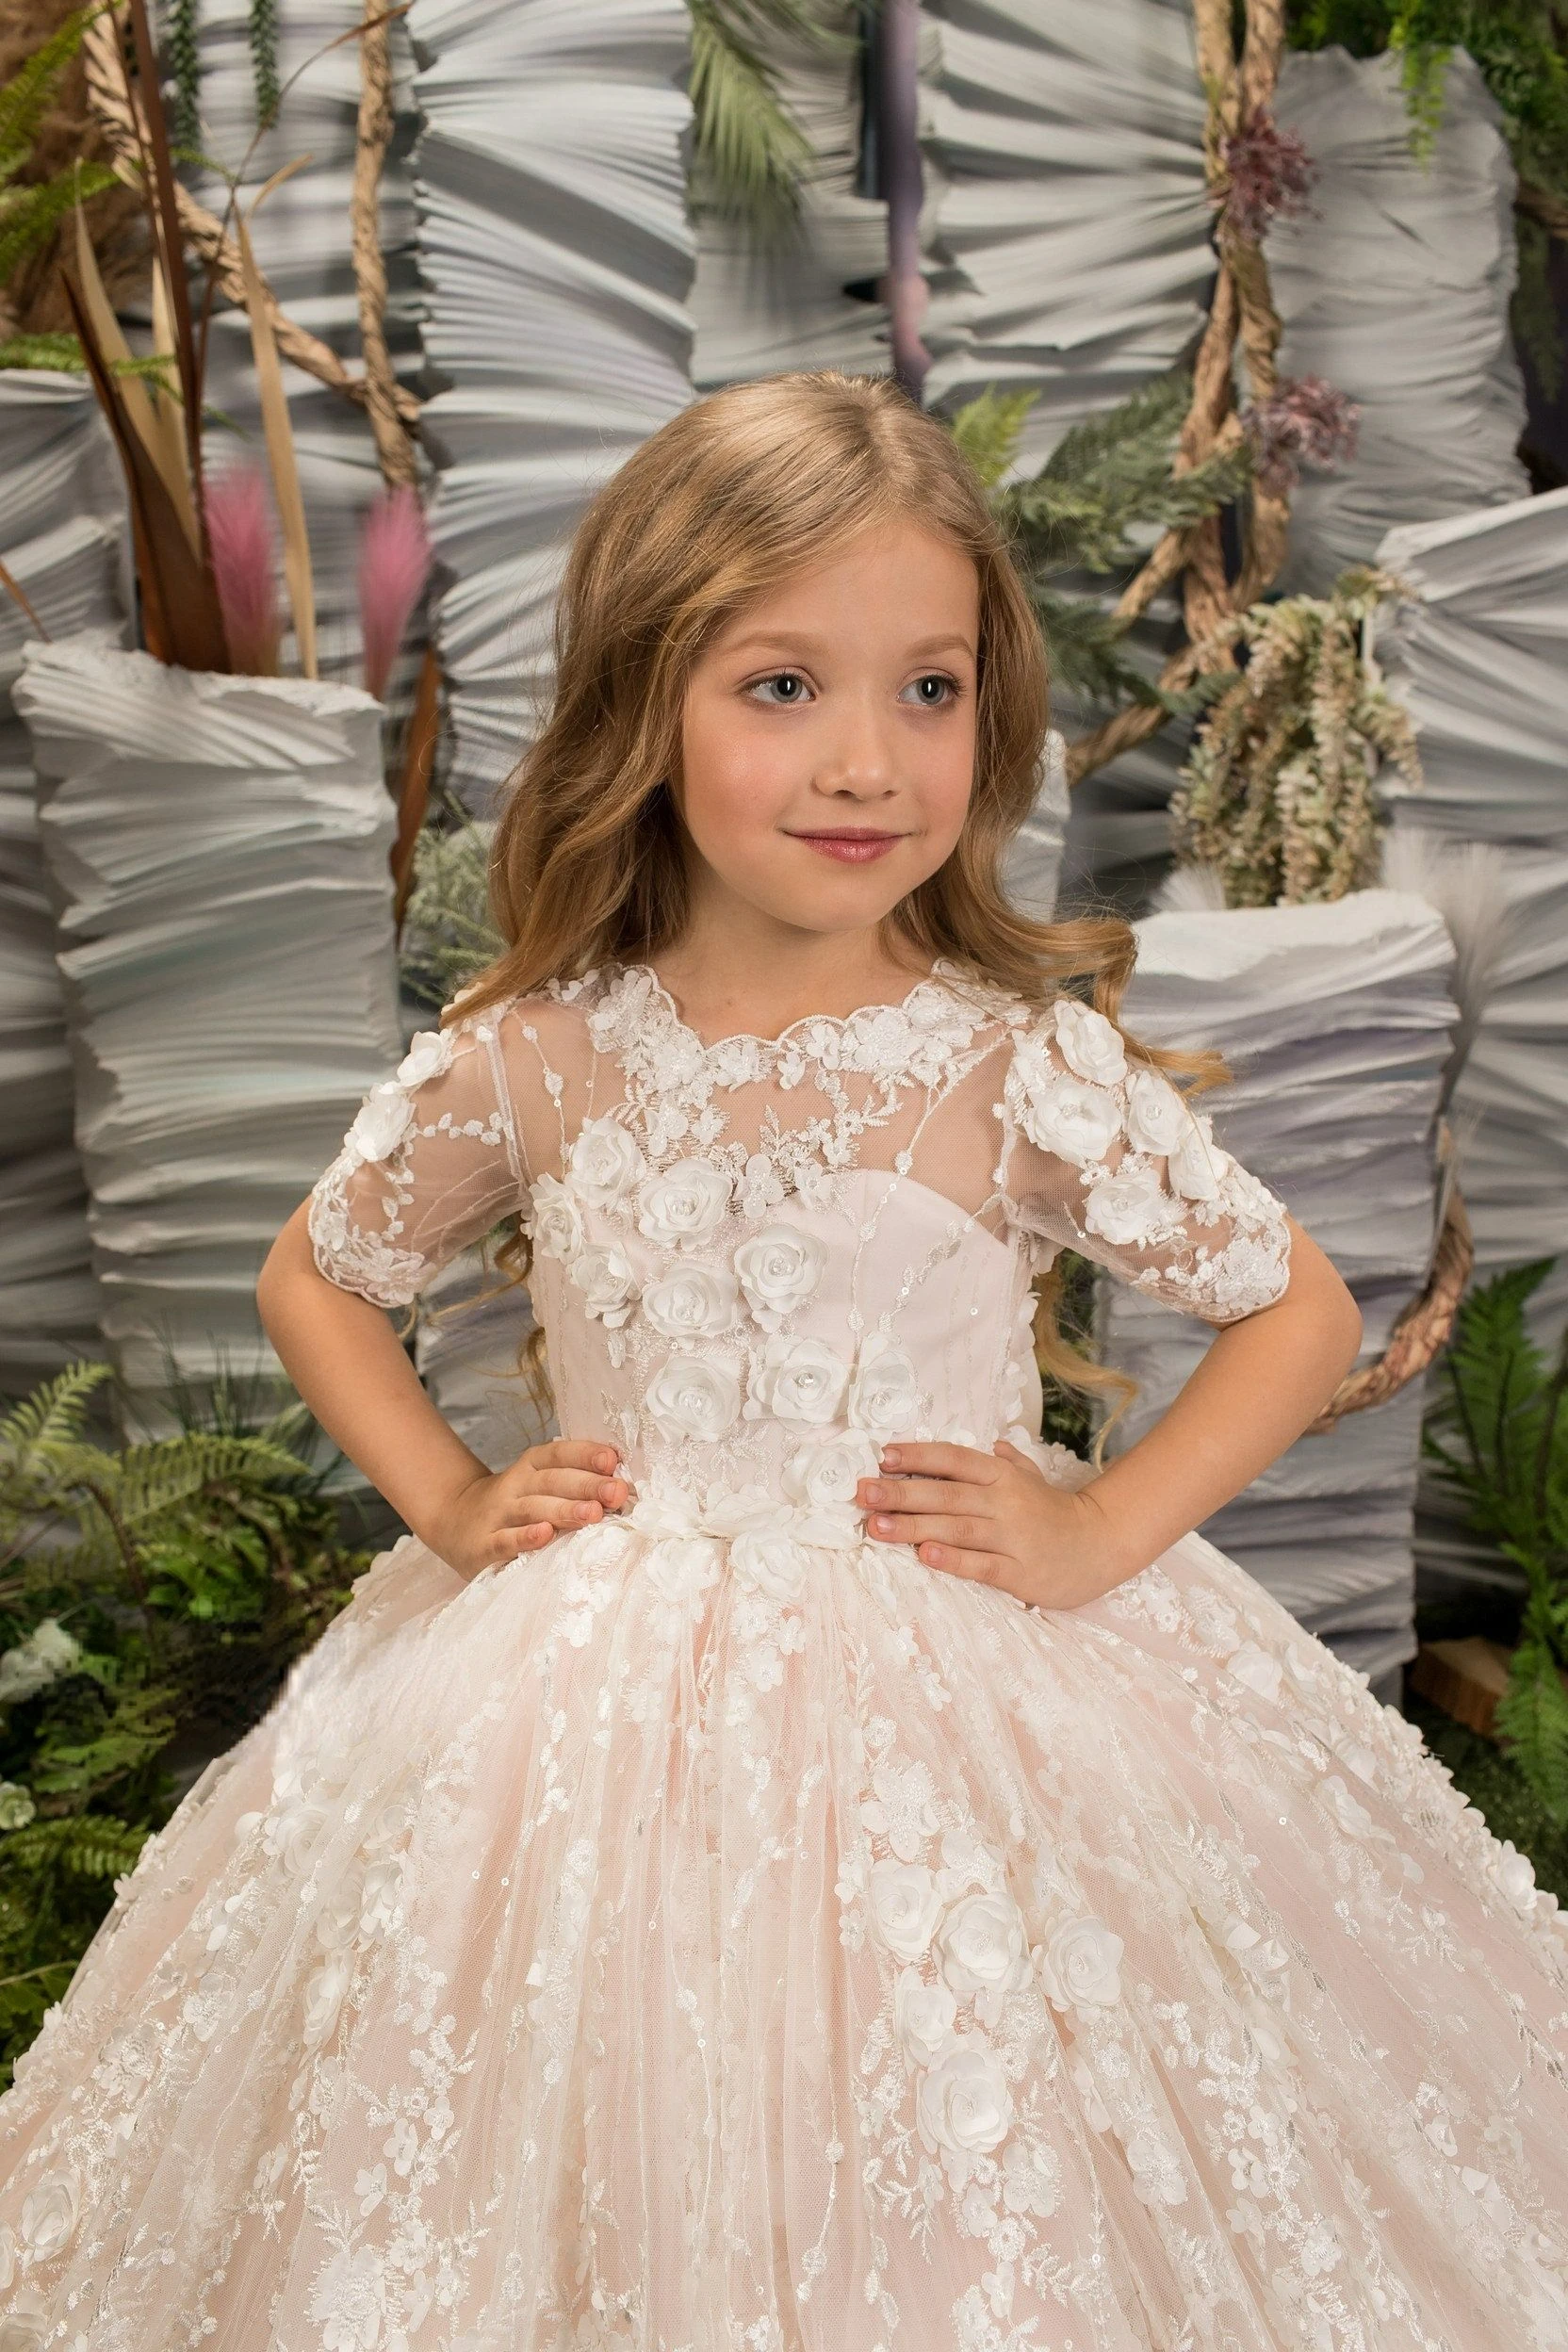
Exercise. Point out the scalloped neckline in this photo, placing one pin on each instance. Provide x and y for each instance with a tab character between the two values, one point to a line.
941	972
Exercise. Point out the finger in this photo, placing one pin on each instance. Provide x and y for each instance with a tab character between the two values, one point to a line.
921	1494
508	1541
580	1486
972	1535
571	1453
942	1461
975	1567
560	1511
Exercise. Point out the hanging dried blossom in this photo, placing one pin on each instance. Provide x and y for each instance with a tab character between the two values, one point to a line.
1268	176
1278	791
1309	421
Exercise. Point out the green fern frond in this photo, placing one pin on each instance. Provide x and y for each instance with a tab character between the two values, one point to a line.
56	354
988	429
52	1417
1153	413
262	35
750	155
89	1845
1532	1717
26	98
30	216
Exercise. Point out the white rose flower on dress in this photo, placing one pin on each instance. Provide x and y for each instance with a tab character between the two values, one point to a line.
1197	1167
693	1302
1157	1118
797	1379
685	1203
294	1834
1090	1045
1031	2180
324	1991
924	2015
605	1278
779	1268
905	1906
1348	1811
885	1393
8	2252
683	1567
1513	1875
983	1950
604	1161
768	1561
27	2323
820	1481
337	1921
964	2107
1080	1967
1257	1668
380	1898
1128	1208
429	1052
555	1224
49	2215
692	1397
1066	1117
385	1117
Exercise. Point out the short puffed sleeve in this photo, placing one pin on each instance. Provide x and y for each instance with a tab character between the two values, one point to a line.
431	1164
1103	1155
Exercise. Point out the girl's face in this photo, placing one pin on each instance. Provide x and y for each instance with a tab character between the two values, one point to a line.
827	748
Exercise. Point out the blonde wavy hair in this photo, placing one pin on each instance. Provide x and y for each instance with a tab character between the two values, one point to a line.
732	496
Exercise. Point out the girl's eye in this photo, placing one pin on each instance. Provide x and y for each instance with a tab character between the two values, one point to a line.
931	692
792	678
774	679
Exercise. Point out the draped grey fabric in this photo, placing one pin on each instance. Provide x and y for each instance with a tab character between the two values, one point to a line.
59	503
1335	1020
1396	288
1068	235
1479	660
759	305
553	240
218	848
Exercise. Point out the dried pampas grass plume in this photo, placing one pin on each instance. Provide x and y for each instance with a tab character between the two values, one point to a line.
394	566
238	510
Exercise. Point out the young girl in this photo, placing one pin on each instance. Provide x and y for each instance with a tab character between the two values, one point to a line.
797	1863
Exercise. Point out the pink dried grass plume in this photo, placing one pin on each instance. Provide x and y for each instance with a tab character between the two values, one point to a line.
394	566
1309	421
238	510
1268	176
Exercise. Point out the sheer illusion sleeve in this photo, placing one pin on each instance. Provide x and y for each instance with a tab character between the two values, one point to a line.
1103	1155
430	1163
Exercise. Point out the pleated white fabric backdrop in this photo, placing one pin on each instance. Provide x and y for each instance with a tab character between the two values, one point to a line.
1336	1023
556	260
1396	288
59	541
1479	663
217	850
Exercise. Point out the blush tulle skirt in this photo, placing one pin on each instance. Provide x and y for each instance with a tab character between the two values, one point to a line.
672	1944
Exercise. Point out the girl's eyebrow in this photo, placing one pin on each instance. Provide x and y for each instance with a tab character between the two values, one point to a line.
800	640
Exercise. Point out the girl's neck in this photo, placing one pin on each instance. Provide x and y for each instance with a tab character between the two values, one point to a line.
725	983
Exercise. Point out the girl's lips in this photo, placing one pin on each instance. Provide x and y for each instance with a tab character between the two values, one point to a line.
852	849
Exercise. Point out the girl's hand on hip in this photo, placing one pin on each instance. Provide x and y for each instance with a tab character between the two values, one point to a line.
549	1490
994	1519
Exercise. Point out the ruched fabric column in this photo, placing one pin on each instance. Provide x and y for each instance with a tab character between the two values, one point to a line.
217	849
59	488
1336	1023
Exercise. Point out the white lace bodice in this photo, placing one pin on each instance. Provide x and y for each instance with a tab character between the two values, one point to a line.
755	1260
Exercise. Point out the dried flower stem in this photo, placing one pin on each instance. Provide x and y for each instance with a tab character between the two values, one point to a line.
117	109
393	448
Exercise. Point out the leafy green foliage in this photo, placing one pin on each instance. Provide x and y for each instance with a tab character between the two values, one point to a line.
153	1595
1499	1438
448	934
30	213
1107	487
184	65
261	31
750	155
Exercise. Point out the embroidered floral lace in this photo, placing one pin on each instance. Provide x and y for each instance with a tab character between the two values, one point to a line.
718	1930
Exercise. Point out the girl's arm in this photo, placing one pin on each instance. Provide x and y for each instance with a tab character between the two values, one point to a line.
997	1519
347	1364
